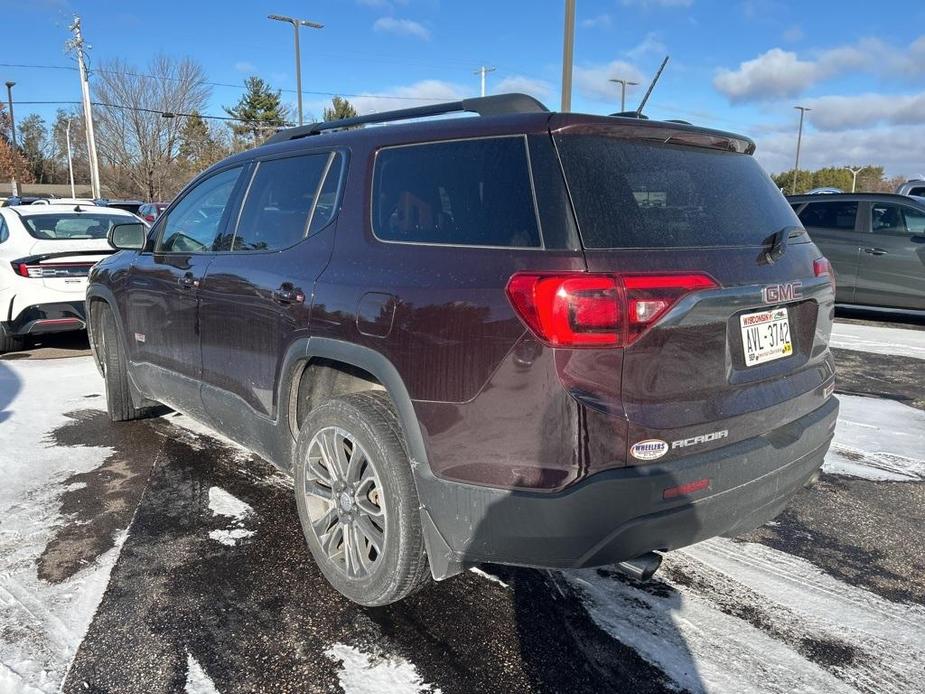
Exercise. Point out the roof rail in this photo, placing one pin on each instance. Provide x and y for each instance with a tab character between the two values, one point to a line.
496	105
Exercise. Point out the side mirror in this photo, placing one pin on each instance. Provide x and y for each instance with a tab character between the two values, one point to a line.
129	237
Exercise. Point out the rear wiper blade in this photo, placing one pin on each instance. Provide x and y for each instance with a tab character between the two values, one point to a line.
777	243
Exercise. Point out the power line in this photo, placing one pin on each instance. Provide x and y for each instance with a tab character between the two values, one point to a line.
219	84
166	114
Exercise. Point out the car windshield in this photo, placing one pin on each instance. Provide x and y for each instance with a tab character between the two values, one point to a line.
65	226
647	195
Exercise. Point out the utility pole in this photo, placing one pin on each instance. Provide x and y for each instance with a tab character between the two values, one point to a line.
9	97
296	23
76	44
70	162
623	84
568	46
482	71
854	176
796	166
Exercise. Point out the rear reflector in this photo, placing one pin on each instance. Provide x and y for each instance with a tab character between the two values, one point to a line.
595	310
823	268
686	489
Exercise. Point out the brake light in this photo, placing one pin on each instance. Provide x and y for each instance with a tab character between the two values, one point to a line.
597	310
823	268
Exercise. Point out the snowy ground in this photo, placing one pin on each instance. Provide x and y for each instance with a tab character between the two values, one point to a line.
197	578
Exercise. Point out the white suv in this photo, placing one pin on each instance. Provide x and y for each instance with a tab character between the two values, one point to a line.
46	252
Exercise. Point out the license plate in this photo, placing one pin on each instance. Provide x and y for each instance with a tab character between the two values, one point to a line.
765	336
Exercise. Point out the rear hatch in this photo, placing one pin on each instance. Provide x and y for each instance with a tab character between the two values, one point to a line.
743	349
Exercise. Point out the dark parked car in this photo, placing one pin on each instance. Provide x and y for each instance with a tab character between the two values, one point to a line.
534	338
876	243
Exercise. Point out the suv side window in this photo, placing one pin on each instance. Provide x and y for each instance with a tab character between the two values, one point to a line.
279	202
839	215
886	217
465	192
191	226
4	232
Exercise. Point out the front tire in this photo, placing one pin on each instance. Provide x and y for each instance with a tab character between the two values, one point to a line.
118	389
10	343
357	501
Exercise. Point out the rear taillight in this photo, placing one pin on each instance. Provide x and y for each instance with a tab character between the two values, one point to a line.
823	268
50	270
597	310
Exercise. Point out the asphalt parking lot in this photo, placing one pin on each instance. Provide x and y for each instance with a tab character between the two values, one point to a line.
154	557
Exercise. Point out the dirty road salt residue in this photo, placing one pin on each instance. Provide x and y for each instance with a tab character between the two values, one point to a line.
879	340
42	623
221	503
727	616
197	681
367	674
878	439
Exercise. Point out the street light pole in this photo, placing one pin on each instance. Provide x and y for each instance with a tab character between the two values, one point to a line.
9	98
854	176
568	46
796	166
296	23
70	162
482	71
623	84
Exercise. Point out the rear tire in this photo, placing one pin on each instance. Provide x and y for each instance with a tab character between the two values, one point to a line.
354	491
10	343
118	389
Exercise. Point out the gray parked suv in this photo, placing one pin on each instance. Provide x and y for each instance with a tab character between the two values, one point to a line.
875	242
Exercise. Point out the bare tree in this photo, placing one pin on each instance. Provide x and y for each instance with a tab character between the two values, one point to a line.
137	131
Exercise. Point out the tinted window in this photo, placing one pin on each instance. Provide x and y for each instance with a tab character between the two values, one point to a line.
835	214
470	192
279	201
191	226
887	217
645	195
4	232
72	225
326	205
917	191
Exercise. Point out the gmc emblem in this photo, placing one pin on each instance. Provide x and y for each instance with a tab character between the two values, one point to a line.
778	293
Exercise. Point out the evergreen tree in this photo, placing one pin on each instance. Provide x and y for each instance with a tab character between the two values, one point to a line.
340	108
259	111
200	147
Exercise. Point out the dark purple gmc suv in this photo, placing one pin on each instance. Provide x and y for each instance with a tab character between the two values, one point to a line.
532	338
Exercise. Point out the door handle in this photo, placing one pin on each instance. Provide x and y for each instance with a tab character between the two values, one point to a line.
287	294
875	251
187	281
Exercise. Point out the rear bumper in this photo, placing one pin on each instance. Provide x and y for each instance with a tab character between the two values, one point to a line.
49	318
619	514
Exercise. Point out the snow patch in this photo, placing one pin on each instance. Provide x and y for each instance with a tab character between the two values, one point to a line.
42	623
197	681
491	577
230	538
221	503
879	340
740	618
878	439
361	673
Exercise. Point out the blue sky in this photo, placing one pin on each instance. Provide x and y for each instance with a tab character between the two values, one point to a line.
739	65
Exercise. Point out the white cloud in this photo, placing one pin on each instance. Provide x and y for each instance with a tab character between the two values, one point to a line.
599	22
245	67
861	110
777	74
539	89
591	81
650	44
402	27
417	94
900	151
658	3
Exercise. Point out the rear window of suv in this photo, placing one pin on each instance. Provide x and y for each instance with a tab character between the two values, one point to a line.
74	225
464	192
648	195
